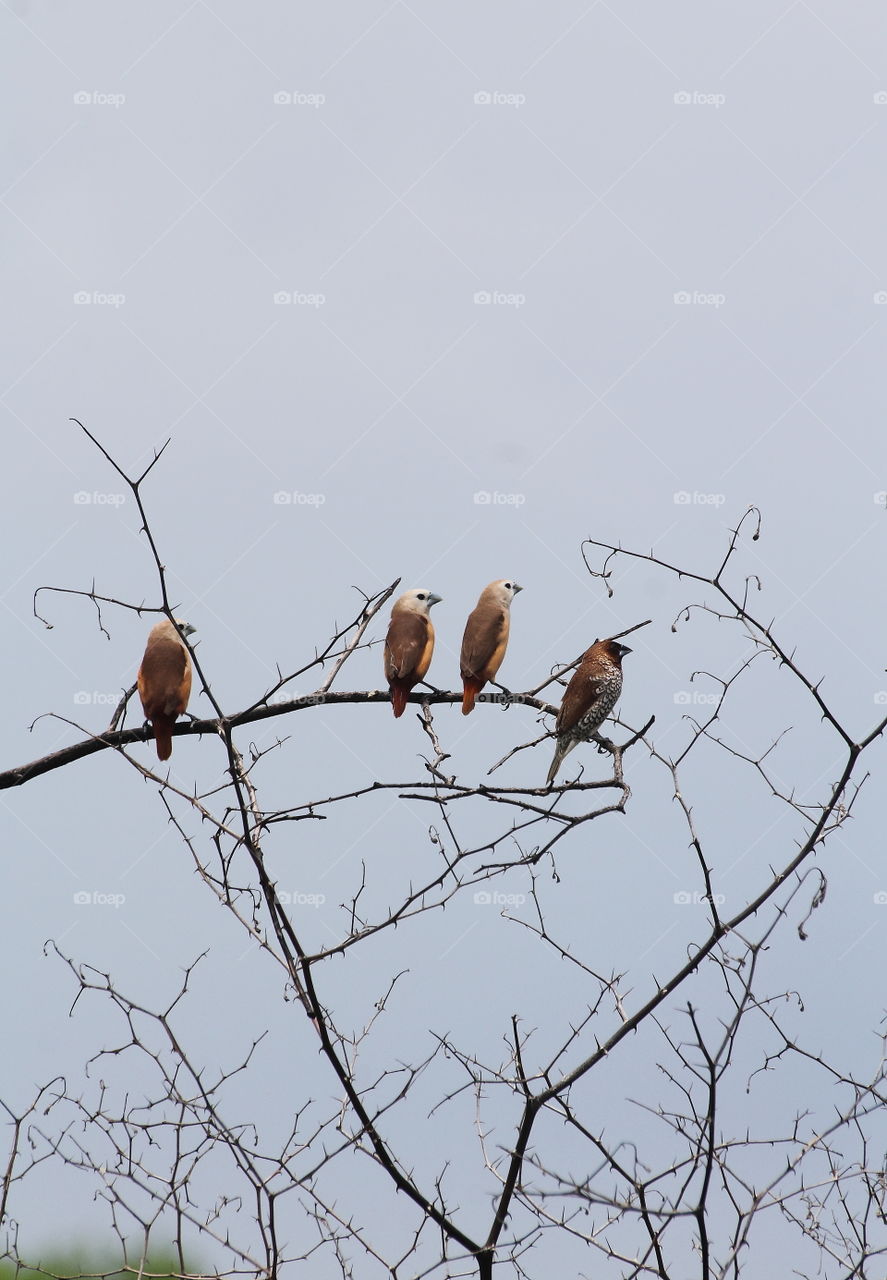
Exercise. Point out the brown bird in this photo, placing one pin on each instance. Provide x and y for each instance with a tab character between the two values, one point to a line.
409	644
589	698
486	639
164	680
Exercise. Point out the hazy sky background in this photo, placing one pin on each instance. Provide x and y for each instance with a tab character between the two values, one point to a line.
547	273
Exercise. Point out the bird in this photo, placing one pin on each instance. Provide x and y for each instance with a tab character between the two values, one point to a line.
409	644
164	680
486	638
590	696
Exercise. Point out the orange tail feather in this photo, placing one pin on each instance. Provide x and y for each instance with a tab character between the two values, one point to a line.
471	689
398	699
163	737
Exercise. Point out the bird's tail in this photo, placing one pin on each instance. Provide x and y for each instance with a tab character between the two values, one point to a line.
398	699
163	736
471	689
560	751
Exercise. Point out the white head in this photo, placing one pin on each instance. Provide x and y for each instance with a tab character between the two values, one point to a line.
166	630
502	591
416	600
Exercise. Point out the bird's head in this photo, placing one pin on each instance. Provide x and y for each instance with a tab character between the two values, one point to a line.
184	627
616	651
416	600
503	590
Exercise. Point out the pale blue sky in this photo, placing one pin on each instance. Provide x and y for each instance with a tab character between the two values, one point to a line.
676	217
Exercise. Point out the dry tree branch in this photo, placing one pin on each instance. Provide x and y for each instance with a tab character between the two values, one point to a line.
636	1202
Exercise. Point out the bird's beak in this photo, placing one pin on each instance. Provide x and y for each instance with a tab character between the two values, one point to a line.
433	599
515	586
625	649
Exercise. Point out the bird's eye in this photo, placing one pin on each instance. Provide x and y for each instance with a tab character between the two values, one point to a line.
421	595
508	586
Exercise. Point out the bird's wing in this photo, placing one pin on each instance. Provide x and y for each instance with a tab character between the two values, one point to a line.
405	645
165	678
483	645
582	692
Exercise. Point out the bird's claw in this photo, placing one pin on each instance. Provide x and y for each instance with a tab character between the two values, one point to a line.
504	697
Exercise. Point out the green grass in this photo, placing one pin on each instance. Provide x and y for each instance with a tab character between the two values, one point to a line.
74	1264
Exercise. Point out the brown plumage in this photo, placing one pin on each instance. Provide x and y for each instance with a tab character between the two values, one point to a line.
590	696
486	639
409	644
164	680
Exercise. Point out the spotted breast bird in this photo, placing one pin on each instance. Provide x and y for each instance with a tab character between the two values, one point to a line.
590	696
486	638
164	680
409	644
